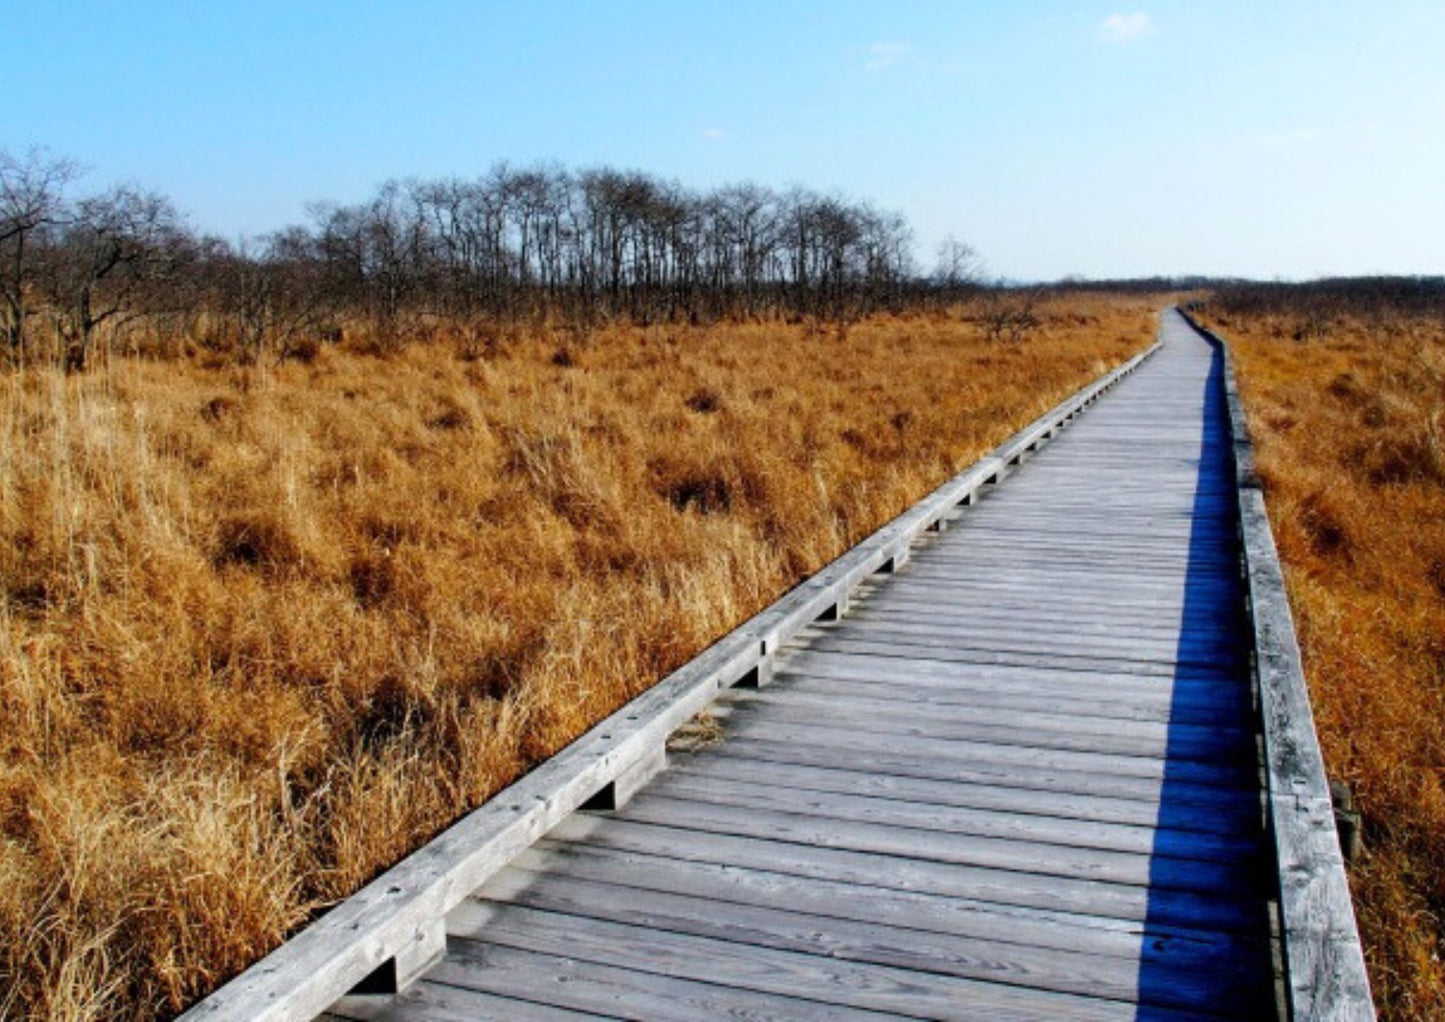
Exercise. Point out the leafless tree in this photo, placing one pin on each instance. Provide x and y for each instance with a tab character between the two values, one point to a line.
274	296
32	203
957	267
112	247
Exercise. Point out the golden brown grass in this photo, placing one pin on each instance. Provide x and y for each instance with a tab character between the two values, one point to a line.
265	630
1350	430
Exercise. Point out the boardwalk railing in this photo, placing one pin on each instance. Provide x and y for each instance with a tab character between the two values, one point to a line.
1324	963
392	930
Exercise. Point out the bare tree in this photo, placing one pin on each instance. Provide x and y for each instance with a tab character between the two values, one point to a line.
32	203
111	248
274	298
957	267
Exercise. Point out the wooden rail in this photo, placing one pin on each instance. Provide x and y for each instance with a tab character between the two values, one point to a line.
391	931
1324	963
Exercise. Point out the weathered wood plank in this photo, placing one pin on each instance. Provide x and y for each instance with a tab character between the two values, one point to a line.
1164	668
1233	816
947	673
677	795
1006	750
1099	898
1023	849
562	978
826	980
1191	806
1181	947
1064	970
1039	730
436	1002
1199	706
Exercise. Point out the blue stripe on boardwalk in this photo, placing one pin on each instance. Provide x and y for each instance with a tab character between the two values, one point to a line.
1213	526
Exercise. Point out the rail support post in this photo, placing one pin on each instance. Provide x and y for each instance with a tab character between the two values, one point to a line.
427	947
629	781
836	610
897	559
759	674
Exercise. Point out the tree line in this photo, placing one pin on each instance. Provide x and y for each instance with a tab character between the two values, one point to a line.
580	247
1368	297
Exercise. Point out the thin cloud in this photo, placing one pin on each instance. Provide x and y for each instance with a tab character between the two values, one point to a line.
882	55
1121	28
714	134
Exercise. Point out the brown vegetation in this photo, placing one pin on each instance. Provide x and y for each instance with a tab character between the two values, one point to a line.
265	627
1346	399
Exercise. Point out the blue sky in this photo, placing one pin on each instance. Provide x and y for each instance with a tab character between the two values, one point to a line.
1267	138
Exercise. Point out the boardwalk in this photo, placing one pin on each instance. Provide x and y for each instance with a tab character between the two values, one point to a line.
1019	779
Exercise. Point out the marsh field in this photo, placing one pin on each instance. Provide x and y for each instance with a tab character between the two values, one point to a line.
1345	391
267	626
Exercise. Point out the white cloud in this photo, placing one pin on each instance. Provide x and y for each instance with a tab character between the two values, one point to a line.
881	55
1120	28
714	134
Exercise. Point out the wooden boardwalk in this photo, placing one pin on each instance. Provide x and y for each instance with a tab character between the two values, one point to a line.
1020	779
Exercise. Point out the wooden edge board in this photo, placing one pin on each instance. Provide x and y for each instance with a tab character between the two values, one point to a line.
389	931
1324	961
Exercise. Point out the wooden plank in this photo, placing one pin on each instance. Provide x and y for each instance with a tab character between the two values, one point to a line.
1242	815
667	955
1066	566
1168	703
1027	636
982	588
1037	730
1163	668
1180	947
1000	752
1072	830
1100	637
1064	970
1202	682
1114	578
436	1002
1084	621
1078	712
1081	896
1190	806
563	978
1004	845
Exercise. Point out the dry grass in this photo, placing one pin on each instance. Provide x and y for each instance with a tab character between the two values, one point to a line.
265	630
1350	429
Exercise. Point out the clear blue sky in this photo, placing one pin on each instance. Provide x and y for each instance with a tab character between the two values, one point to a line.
1263	138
